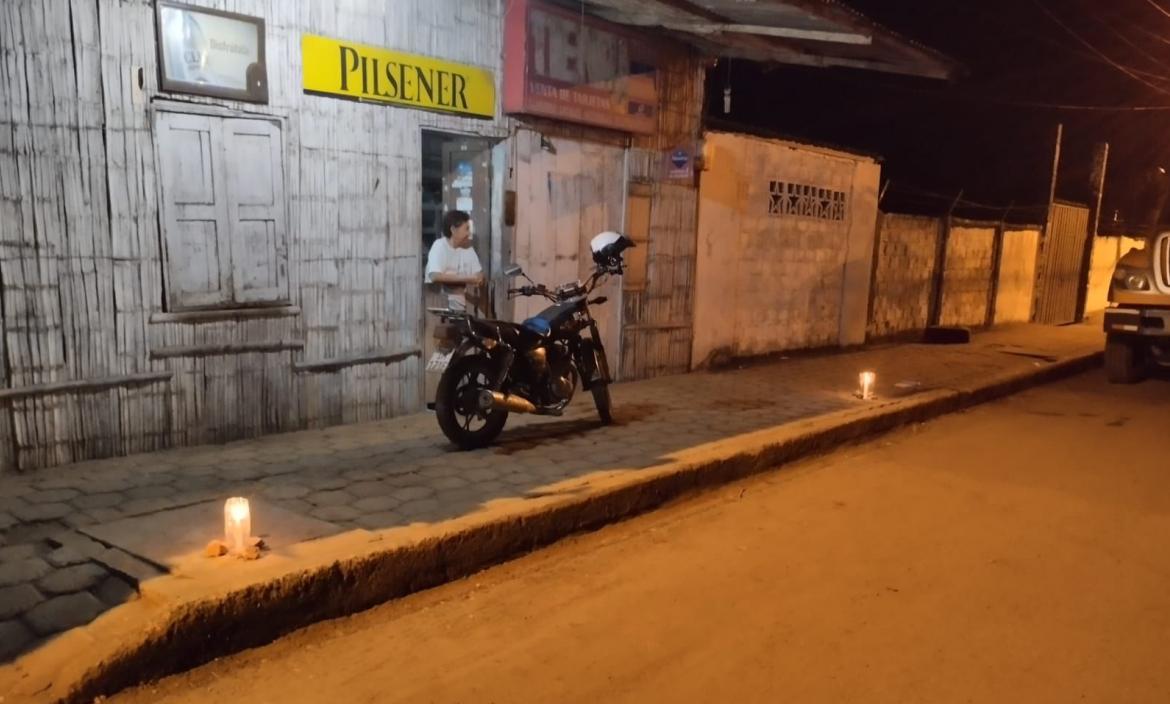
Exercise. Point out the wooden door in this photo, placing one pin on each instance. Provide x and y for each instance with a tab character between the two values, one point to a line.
566	195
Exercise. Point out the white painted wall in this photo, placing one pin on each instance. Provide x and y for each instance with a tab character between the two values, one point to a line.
766	282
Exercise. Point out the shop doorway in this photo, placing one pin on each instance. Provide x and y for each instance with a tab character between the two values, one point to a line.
456	175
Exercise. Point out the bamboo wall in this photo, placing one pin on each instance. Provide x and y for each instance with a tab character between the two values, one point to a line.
657	321
93	364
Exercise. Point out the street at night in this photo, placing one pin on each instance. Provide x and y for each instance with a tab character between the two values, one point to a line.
584	351
1016	552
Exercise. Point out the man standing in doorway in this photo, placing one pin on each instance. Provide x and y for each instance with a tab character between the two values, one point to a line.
452	261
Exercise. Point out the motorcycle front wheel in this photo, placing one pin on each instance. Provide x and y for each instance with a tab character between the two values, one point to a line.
457	404
601	400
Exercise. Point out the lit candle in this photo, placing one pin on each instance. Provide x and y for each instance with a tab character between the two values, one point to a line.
867	381
237	524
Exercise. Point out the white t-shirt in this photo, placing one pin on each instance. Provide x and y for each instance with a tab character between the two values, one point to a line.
445	259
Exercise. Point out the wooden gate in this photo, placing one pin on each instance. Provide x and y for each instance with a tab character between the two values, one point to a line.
1060	274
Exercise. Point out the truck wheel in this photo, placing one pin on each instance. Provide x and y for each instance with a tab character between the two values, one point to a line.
1124	360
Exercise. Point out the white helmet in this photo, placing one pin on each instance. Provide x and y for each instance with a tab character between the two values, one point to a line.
609	245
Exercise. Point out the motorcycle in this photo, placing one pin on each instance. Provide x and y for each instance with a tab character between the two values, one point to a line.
491	368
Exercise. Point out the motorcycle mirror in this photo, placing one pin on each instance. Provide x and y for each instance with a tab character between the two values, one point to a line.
513	270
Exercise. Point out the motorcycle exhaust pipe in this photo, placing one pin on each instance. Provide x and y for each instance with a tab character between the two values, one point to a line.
505	402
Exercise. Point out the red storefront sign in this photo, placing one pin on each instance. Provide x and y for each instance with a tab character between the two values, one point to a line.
576	68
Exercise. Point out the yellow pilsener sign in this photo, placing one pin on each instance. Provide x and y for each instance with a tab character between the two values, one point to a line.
360	72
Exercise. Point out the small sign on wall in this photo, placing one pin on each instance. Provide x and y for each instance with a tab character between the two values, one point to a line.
680	163
211	52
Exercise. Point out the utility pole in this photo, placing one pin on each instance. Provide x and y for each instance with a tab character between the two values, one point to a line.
1097	186
1039	312
1055	166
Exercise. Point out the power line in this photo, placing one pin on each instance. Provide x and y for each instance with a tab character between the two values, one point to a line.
1127	71
1158	7
911	190
1151	34
1017	29
1128	42
1012	102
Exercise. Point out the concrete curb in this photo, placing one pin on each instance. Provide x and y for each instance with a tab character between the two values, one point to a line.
172	632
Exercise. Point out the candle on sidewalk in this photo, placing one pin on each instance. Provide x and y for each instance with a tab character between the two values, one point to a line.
237	524
866	381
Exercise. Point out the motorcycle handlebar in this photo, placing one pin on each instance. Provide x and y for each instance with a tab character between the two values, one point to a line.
542	290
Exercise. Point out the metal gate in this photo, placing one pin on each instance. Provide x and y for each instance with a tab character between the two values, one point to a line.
1061	273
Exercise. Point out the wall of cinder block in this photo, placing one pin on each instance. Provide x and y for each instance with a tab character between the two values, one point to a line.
986	277
776	272
907	246
967	275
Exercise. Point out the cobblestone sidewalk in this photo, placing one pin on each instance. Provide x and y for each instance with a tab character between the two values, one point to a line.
377	476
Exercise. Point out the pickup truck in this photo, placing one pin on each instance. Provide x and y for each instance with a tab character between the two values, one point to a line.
1137	321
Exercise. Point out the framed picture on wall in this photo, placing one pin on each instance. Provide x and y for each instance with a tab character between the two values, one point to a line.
211	52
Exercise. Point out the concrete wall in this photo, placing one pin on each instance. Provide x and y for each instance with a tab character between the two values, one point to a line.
781	272
904	269
1106	252
967	277
1017	276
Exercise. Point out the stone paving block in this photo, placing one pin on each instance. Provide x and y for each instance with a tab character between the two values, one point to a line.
335	514
75	578
128	566
29	570
481	474
363	474
33	513
186	484
51	496
14	553
78	519
492	489
428	510
522	480
380	521
330	498
156	491
240	473
64	612
142	506
370	488
445	483
65	557
104	515
106	485
376	504
411	493
115	591
100	500
324	483
202	470
15	637
288	491
17	599
53	479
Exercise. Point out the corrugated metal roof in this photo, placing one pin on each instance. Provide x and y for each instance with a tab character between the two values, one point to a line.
804	32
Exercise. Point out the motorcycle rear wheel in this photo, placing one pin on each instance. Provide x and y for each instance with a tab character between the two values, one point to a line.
457	404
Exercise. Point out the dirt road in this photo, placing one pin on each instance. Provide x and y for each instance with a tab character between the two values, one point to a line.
1016	553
